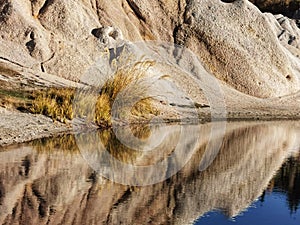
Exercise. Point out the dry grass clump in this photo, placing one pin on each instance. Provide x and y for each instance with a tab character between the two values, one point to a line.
55	103
126	83
96	106
144	109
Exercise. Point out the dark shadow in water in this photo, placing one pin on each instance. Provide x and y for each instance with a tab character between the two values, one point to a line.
287	181
49	182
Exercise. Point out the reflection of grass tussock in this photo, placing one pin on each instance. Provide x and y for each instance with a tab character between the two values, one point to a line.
116	148
57	103
65	143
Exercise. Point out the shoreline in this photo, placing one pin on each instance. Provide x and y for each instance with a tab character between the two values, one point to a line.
17	127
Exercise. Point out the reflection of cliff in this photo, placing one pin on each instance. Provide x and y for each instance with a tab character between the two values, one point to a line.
58	187
287	180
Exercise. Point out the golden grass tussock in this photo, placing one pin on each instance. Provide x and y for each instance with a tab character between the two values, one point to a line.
95	104
55	103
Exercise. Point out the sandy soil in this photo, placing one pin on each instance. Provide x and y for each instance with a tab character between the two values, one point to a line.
17	127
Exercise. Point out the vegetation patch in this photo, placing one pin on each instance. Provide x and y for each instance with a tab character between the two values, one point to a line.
55	103
93	104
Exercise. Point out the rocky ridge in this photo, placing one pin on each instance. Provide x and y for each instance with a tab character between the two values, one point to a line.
247	50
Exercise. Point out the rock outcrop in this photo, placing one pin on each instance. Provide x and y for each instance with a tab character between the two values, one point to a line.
244	48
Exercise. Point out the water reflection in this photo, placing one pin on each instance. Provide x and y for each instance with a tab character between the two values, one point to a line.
277	205
287	181
48	181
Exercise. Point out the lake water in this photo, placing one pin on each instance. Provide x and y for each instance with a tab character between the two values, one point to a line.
247	173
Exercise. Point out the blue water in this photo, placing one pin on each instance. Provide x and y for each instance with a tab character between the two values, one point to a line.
273	210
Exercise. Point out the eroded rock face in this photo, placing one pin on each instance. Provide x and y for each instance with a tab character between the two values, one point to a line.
236	42
240	50
50	36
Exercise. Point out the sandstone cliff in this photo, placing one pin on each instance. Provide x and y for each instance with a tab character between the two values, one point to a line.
246	50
